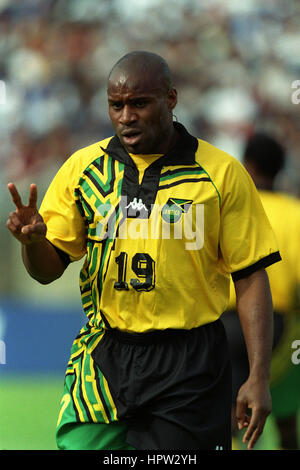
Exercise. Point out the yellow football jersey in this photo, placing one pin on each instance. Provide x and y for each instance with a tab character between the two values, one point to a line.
159	251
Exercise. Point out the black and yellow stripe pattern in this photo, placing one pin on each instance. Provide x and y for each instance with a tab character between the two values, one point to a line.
97	197
174	176
87	397
179	175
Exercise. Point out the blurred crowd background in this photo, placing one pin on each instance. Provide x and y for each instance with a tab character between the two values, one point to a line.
234	63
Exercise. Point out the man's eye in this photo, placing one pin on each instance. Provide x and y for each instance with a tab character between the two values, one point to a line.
140	104
116	106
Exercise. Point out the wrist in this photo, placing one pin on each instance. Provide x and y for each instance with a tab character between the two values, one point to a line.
260	374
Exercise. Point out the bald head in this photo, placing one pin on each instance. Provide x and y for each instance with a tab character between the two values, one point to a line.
141	99
144	65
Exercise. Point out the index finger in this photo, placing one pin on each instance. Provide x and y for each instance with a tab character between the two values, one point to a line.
15	195
254	430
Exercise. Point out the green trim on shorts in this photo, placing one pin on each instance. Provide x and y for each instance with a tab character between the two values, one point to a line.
93	436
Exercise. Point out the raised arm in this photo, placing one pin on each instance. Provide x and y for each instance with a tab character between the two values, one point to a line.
40	257
254	305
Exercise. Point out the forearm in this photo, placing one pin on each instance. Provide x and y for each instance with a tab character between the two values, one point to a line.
42	261
254	305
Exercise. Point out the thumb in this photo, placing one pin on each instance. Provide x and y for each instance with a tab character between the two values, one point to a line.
241	415
38	228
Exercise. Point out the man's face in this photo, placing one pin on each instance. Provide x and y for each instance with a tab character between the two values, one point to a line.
141	112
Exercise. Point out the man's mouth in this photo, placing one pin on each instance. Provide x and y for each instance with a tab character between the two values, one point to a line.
131	137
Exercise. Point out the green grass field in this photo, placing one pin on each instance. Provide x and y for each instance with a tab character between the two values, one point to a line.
29	409
28	412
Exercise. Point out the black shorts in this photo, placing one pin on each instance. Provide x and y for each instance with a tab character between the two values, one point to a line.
172	388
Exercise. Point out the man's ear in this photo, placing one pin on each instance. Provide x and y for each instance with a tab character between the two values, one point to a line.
172	98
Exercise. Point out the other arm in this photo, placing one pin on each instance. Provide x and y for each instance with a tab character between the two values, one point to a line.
255	309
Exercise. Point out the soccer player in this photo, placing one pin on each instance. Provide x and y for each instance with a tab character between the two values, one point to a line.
264	158
163	220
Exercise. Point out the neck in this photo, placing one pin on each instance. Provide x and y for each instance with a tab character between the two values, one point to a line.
169	142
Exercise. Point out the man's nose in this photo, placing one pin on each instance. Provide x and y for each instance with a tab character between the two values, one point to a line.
128	115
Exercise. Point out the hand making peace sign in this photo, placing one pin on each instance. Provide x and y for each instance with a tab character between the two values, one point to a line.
25	223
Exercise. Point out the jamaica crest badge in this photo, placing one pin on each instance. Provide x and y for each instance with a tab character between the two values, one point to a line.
174	208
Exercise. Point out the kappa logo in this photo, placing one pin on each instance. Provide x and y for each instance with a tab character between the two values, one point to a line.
174	208
137	207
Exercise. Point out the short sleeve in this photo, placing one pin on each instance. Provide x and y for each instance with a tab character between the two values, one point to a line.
65	225
247	241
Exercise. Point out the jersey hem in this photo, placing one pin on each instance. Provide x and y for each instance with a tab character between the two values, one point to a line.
262	263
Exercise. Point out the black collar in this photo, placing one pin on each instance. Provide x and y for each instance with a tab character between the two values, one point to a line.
183	153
